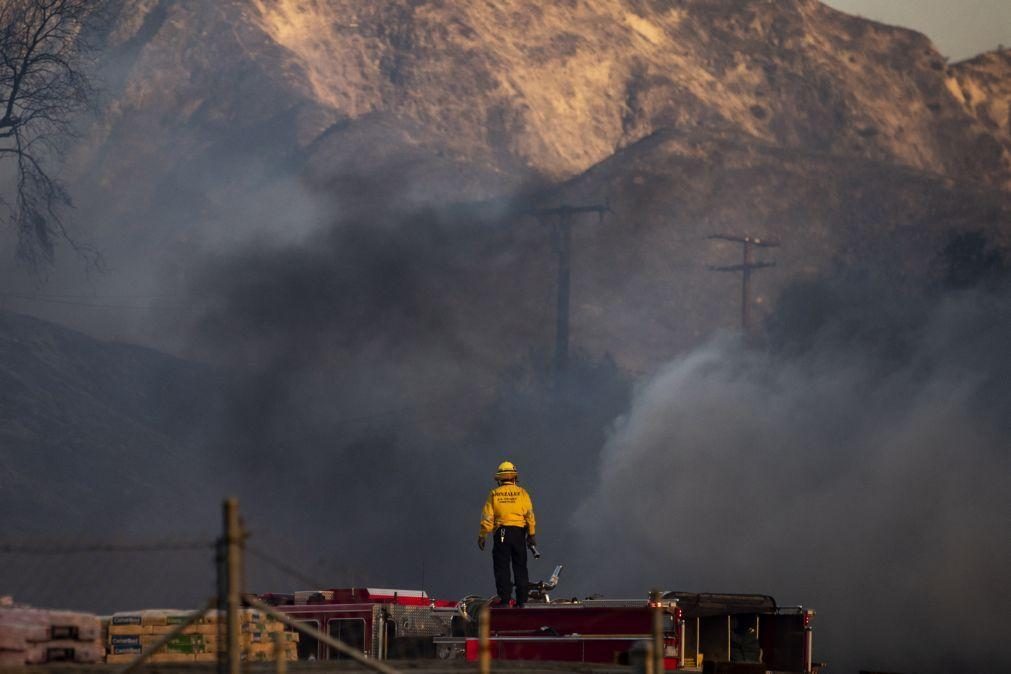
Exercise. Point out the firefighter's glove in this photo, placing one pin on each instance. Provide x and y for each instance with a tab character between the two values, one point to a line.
480	542
531	541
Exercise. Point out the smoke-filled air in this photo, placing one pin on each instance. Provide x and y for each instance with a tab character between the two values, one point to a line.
859	465
728	281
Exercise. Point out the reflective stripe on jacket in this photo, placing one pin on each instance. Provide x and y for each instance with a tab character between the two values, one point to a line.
508	505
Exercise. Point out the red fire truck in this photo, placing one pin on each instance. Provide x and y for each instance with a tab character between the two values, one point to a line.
396	624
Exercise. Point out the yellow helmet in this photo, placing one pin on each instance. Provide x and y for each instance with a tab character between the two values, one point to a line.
506	471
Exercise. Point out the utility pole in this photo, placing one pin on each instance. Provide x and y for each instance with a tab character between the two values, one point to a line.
746	268
561	219
232	544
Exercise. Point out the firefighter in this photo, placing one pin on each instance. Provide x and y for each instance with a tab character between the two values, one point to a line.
508	514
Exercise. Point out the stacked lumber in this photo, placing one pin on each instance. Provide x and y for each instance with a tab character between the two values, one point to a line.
37	636
133	632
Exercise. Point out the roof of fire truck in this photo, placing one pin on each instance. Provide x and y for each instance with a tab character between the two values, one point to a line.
714	603
692	603
357	595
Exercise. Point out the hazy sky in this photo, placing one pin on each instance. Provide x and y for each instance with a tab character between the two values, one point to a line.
959	28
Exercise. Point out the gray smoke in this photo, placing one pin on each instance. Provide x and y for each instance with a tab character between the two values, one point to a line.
858	465
854	461
376	384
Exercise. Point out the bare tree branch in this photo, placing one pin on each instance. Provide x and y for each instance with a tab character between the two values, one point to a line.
44	56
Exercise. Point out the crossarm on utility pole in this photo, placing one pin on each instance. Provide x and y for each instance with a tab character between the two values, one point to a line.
751	240
336	644
156	646
565	209
744	267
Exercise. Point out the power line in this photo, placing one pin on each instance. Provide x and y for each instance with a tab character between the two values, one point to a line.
63	549
283	568
56	299
95	296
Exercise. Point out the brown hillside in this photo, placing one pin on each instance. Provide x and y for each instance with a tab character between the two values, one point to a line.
523	85
983	86
227	121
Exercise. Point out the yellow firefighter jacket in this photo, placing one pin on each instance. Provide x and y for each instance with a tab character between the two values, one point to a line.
508	505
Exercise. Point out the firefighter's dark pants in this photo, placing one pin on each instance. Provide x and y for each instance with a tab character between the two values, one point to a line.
510	548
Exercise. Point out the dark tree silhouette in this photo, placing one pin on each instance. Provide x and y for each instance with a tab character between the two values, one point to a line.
43	84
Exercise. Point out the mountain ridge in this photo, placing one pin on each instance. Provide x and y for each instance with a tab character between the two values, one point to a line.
236	122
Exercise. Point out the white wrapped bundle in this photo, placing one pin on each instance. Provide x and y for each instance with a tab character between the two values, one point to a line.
12	638
74	626
40	625
23	625
12	658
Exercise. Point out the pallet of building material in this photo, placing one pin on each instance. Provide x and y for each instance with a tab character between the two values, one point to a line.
10	658
249	656
11	640
269	657
156	616
161	630
260	635
149	621
18	626
128	630
176	618
290	640
184	643
263	652
165	617
268	637
14	637
163	621
35	625
125	644
63	650
172	657
126	623
114	658
267	645
246	615
74	626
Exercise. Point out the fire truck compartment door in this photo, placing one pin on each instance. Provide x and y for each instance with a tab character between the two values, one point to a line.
782	640
349	630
